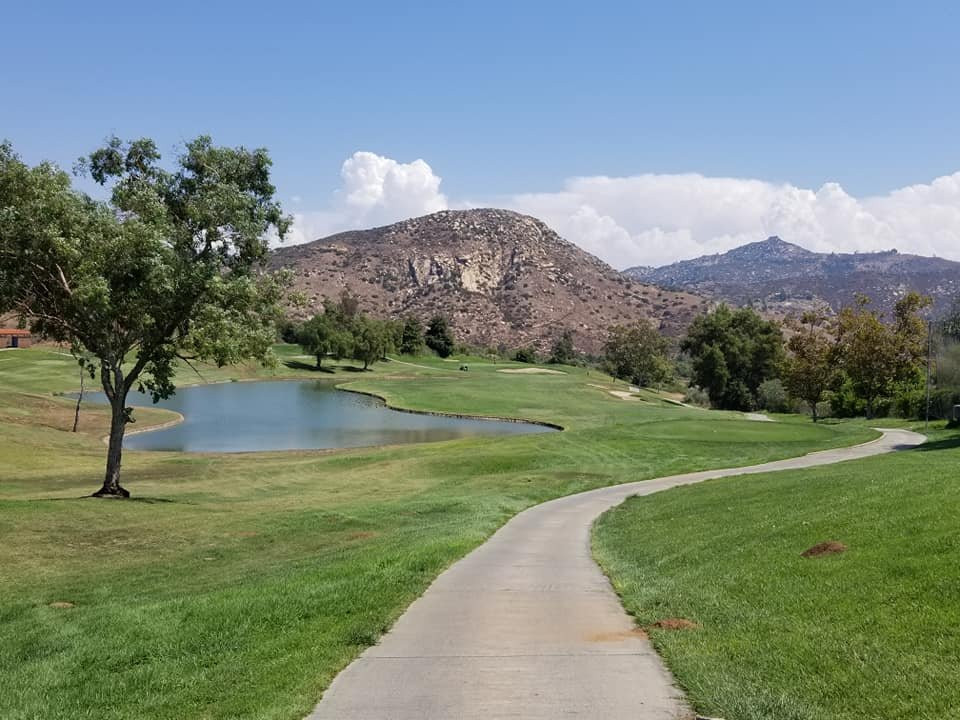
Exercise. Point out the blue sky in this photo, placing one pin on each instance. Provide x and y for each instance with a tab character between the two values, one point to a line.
504	100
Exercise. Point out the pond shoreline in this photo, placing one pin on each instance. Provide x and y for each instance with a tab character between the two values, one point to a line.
181	418
462	416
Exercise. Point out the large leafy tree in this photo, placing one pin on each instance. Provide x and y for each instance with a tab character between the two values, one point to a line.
873	354
809	371
637	353
324	335
733	352
372	340
167	268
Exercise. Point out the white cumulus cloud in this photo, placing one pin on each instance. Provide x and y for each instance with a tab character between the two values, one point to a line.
653	219
375	190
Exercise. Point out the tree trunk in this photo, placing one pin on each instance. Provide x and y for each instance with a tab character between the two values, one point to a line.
76	413
118	425
319	360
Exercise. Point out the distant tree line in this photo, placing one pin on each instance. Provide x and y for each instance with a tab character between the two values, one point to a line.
856	362
343	331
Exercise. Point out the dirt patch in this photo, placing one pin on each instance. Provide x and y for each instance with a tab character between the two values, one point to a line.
831	547
61	605
620	636
675	624
362	535
532	371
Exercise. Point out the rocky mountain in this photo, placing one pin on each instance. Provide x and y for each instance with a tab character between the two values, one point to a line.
503	279
778	275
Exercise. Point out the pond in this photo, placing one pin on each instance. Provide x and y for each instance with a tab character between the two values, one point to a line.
296	415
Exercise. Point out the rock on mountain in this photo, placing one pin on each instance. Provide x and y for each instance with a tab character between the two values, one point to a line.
778	275
503	279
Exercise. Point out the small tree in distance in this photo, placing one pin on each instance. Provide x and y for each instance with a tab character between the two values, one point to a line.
166	269
411	337
637	353
810	369
563	352
439	337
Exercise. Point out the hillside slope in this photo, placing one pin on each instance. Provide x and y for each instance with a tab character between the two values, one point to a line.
777	273
503	279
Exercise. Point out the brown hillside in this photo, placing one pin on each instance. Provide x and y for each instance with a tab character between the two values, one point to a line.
503	279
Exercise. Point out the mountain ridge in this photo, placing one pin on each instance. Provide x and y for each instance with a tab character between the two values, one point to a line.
777	273
504	279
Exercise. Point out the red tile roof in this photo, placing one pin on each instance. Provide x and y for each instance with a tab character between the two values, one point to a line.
13	332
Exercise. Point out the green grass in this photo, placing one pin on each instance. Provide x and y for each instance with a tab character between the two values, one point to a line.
870	633
237	586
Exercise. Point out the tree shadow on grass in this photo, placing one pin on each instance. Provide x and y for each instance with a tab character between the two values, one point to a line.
297	365
144	500
949	443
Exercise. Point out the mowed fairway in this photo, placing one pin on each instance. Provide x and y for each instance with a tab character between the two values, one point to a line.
239	585
873	632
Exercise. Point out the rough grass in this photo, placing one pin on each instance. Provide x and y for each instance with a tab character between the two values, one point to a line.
872	632
237	586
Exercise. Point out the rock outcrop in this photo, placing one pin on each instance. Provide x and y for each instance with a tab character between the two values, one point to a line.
503	279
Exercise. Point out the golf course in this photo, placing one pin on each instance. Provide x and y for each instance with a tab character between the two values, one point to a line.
240	584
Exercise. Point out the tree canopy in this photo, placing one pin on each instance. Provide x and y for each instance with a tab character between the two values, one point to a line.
810	370
439	337
732	353
411	336
164	269
637	353
562	352
873	354
342	330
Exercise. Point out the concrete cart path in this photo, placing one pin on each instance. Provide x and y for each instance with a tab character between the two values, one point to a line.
526	626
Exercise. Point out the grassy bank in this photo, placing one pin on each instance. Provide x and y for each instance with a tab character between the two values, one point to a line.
238	585
872	632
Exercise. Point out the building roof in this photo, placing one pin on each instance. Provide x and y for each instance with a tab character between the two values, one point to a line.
14	332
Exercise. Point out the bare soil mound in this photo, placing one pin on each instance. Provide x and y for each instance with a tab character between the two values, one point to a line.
675	624
830	547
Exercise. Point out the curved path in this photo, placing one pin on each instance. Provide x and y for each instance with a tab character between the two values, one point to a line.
526	626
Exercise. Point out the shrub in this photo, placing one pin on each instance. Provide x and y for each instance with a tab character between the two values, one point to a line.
697	396
772	396
525	355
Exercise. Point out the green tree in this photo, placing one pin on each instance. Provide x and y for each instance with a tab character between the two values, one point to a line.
439	337
637	353
563	352
950	323
525	355
875	355
809	370
165	269
411	337
321	336
732	352
371	340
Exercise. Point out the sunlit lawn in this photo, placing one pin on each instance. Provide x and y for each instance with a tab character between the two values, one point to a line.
239	585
